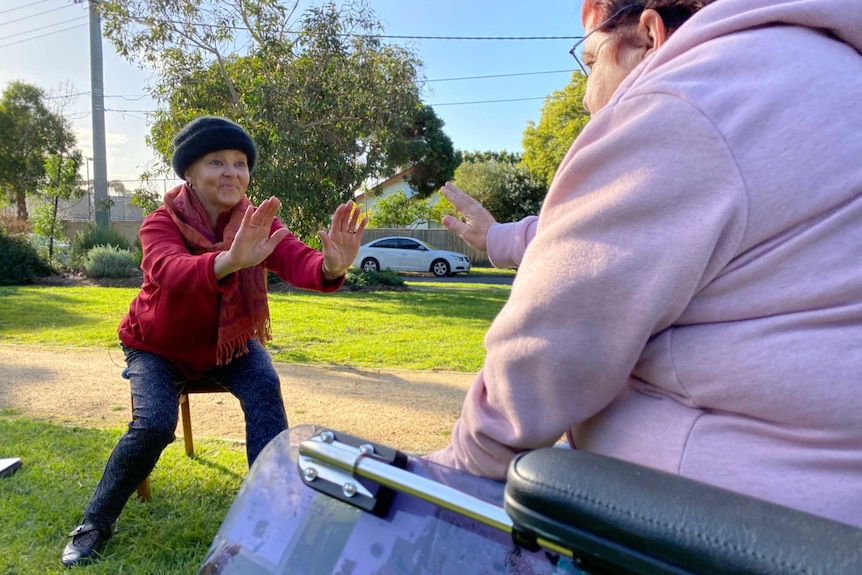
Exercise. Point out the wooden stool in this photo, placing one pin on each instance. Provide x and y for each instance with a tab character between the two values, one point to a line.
204	385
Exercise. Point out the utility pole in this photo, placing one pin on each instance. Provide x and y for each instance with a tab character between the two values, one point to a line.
100	169
89	190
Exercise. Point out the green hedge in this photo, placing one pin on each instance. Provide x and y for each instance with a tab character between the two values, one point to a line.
19	260
110	262
367	280
91	236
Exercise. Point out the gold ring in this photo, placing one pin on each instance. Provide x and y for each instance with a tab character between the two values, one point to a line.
254	225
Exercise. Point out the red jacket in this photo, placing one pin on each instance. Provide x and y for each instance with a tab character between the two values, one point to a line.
176	313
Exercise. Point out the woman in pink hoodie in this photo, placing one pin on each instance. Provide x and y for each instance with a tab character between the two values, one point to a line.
690	297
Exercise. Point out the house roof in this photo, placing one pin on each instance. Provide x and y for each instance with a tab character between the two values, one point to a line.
366	186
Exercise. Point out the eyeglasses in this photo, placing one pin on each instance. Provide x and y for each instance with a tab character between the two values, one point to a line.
579	43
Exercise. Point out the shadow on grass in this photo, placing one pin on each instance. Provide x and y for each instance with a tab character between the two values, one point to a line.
30	309
209	463
45	499
450	305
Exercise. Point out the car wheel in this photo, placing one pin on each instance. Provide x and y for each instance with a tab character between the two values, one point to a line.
440	268
370	265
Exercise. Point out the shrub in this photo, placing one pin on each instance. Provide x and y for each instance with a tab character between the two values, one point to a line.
355	280
110	262
91	236
272	279
366	280
61	256
138	250
13	225
19	261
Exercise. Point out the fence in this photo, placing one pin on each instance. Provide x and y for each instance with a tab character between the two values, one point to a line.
440	239
128	229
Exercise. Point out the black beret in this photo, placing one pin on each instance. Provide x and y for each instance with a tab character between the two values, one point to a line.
209	134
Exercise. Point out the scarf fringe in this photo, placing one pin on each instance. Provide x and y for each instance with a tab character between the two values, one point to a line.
238	346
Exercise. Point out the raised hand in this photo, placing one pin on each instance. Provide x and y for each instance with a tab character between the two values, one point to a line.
252	243
473	229
341	243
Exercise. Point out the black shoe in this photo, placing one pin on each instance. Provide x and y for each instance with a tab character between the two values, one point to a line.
87	541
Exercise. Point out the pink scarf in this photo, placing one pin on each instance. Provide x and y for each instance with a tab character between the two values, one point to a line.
244	312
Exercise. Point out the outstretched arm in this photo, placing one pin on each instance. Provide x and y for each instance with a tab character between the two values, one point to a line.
253	242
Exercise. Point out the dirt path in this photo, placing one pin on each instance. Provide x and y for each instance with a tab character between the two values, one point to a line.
413	411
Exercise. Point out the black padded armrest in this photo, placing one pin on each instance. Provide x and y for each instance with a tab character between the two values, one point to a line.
624	518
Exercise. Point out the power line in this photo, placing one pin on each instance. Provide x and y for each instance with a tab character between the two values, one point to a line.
468	38
570	70
34	15
387	36
486	102
121	111
130	111
43	35
42	28
500	38
431	105
24	6
392	37
130	97
66	96
137	97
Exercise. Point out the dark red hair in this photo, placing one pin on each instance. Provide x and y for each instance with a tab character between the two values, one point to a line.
624	15
674	13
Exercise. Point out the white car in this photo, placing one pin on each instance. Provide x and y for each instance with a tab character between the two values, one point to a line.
409	255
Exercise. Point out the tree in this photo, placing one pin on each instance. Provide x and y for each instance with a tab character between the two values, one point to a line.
488	156
29	133
443	207
118	188
424	146
147	200
64	183
325	100
562	119
508	190
398	211
523	194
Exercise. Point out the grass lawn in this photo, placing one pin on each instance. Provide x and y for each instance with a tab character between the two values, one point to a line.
439	329
428	330
43	500
492	271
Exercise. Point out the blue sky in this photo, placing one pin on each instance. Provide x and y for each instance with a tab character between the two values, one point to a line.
46	42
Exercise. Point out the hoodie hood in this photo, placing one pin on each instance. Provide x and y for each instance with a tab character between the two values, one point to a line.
841	19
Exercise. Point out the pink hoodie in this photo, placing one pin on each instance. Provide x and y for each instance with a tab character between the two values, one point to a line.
692	298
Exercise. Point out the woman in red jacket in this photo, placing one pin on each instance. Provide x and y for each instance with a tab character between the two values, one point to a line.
202	308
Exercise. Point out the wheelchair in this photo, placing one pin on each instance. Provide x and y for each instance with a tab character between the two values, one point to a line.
318	501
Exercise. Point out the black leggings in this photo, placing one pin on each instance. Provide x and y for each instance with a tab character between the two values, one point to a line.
156	385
